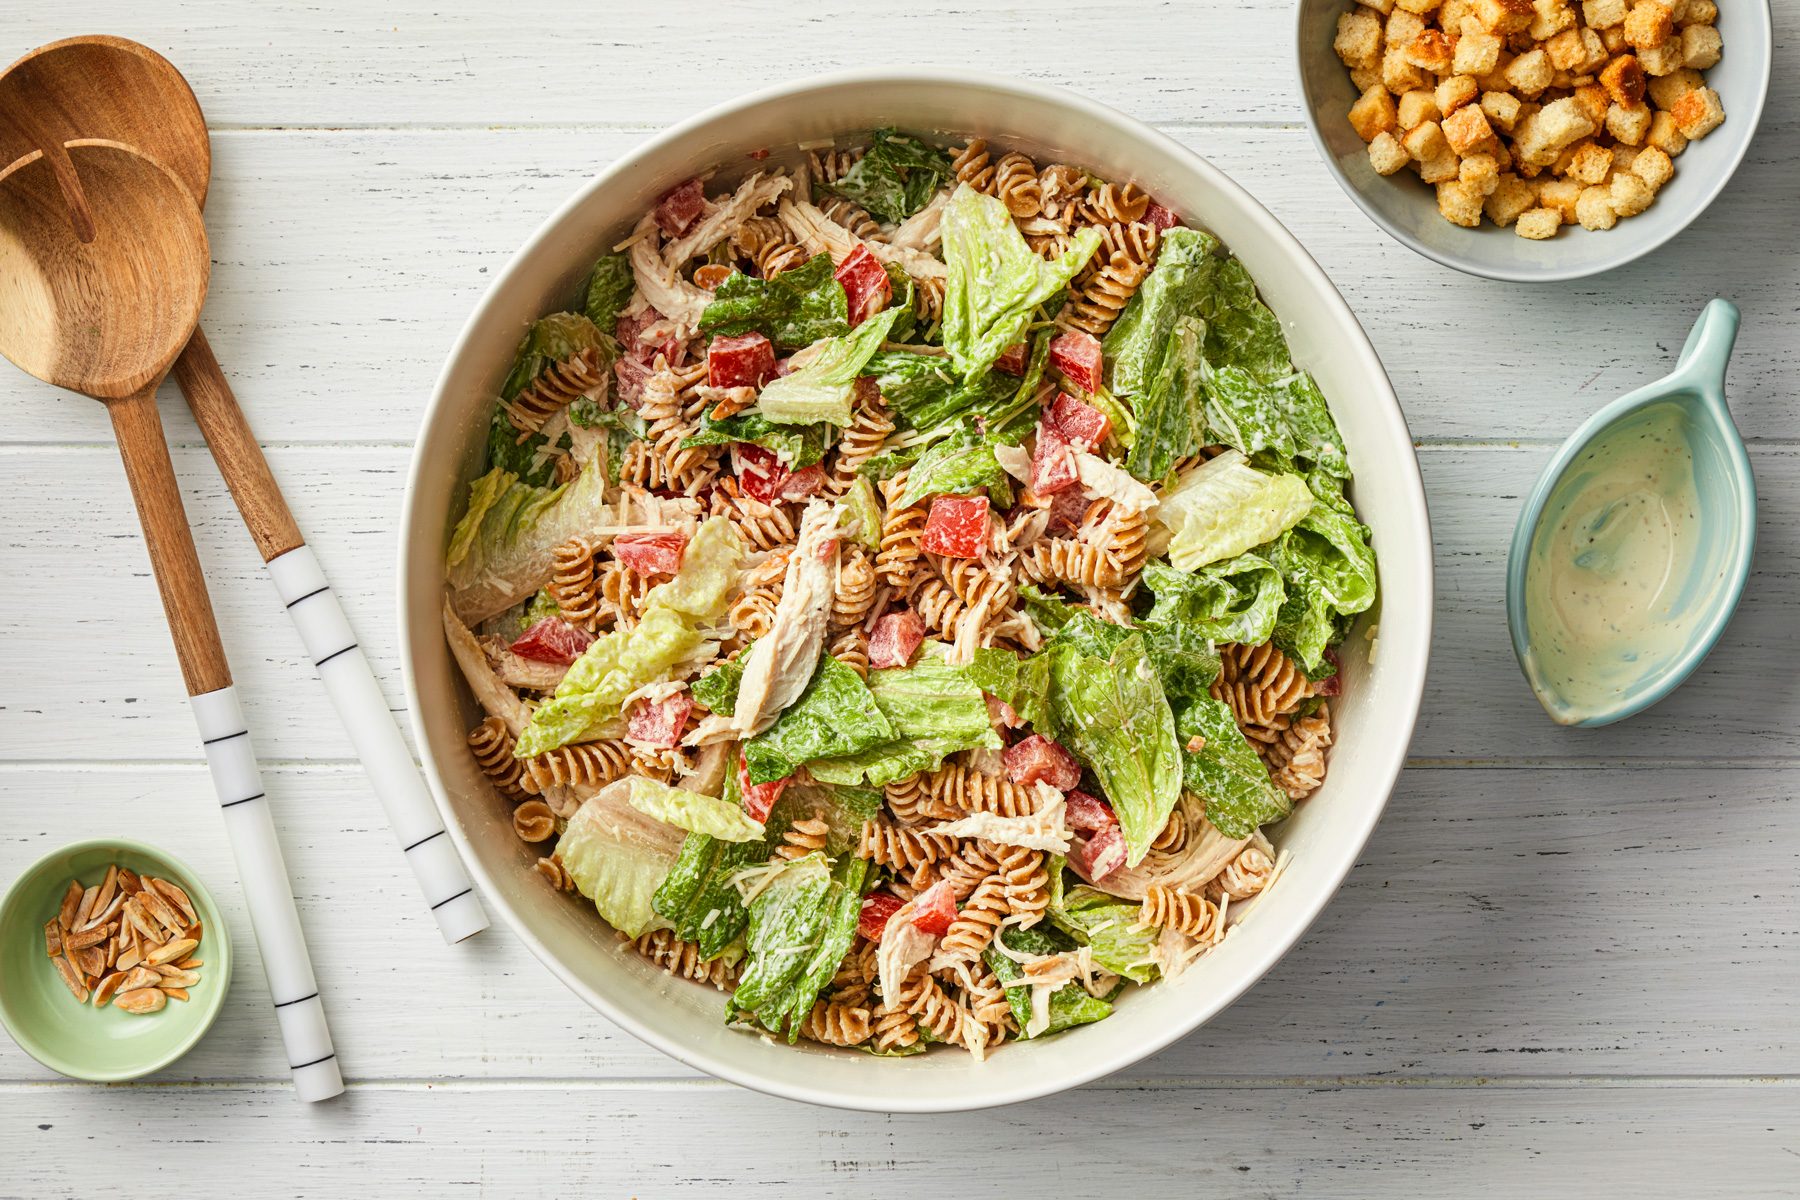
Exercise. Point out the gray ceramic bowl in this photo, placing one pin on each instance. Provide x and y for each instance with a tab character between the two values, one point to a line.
1407	207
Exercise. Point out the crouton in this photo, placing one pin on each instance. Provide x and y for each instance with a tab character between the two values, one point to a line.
1590	163
1466	128
1578	51
1418	6
1648	24
1628	124
1386	154
1666	90
1373	113
1364	78
1505	16
1430	51
1358	41
1604	14
1460	203
1538	223
1454	92
1700	47
1399	75
1475	54
1653	167
1624	80
1510	197
1502	109
1623	157
1403	27
1549	18
1700	12
1630	195
1541	138
1426	141
1661	60
1593	101
1384	7
1480	171
1560	194
1696	114
1454	14
1529	73
1417	107
1665	134
1593	208
1439	167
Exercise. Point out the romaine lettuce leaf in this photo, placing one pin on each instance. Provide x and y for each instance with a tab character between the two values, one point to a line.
617	857
507	452
934	710
833	717
717	690
895	178
1070	1005
1231	601
504	547
1329	570
1022	682
957	466
821	390
708	574
1240	329
550	340
1109	925
1227	772
996	280
1170	412
801	925
796	446
693	812
699	898
607	290
593	691
1187	264
1286	422
861	515
1184	659
1226	507
1316	437
1111	713
794	309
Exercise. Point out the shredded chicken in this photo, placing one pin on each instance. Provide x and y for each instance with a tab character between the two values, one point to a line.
819	233
924	230
1204	855
726	218
490	690
519	672
1042	830
1015	461
661	283
903	946
1101	478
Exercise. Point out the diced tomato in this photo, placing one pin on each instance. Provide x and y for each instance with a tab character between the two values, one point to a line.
759	473
1094	858
897	635
957	526
807	481
1037	759
552	640
866	284
934	908
1332	684
759	153
759	798
651	553
1078	356
1067	511
630	332
680	207
1000	713
1053	466
1079	422
747	360
877	908
632	376
1161	217
1013	361
659	723
1087	814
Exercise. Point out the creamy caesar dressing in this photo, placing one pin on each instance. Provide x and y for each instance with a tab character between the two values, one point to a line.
1606	584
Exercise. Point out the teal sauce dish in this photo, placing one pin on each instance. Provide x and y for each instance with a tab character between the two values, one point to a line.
1630	526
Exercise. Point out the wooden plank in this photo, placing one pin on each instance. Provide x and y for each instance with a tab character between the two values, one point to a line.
701	1141
92	676
346	263
1501	923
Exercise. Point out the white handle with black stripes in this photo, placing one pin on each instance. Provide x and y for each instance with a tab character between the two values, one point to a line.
273	917
359	702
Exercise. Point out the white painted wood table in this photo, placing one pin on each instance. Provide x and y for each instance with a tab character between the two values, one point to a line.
1566	960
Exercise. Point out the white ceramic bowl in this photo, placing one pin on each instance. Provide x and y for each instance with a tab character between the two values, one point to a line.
1407	208
1374	719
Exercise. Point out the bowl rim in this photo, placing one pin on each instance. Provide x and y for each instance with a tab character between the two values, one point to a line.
1471	266
211	1004
1415	635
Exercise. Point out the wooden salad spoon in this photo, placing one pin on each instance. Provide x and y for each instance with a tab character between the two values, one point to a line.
106	318
111	87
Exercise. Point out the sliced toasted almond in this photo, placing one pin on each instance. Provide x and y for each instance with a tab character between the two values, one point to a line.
108	888
176	977
159	908
128	958
191	964
71	901
112	951
72	981
177	949
139	977
105	989
195	931
85	909
91	936
177	897
138	919
52	938
92	960
174	993
109	913
140	1000
129	883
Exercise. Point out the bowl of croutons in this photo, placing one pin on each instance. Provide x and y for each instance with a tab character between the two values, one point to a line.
1533	140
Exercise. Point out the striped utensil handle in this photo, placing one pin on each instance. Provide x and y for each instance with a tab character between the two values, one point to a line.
273	917
359	702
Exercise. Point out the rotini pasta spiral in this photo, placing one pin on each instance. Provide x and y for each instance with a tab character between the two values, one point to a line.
895	1029
901	530
972	583
829	166
962	790
1244	876
852	217
575	583
557	387
1258	683
912	801
1063	560
492	746
660	460
622	594
1173	835
901	849
869	427
851	647
1025	877
677	957
764	526
1185	912
1137	241
534	822
766	242
836	1024
1114	204
973	862
974	166
1016	183
1098	299
857	586
554	873
584	764
974	927
803	837
932	1006
1296	759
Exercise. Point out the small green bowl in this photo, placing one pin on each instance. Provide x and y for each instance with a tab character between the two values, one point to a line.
102	1045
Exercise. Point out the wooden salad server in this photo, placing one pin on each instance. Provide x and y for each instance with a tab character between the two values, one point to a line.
106	318
110	87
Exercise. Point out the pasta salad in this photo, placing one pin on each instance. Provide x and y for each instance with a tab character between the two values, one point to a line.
903	590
